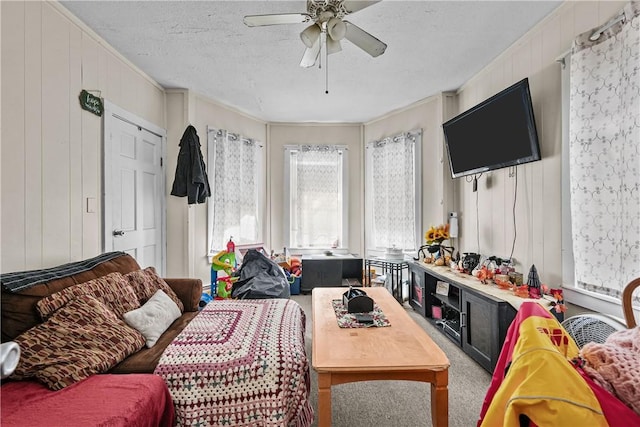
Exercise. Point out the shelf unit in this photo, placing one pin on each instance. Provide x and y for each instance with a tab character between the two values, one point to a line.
391	267
474	320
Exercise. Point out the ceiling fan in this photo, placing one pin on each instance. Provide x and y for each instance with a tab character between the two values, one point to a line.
327	29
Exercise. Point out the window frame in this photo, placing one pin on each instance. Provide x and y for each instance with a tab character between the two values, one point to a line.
417	179
581	297
286	211
260	180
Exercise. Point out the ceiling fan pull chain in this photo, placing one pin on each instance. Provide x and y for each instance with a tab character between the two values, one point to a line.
326	71
322	42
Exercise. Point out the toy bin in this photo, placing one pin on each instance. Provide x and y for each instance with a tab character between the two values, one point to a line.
295	285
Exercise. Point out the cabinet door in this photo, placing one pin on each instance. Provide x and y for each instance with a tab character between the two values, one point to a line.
417	290
480	329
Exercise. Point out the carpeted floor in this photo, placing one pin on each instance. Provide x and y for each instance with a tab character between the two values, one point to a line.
404	403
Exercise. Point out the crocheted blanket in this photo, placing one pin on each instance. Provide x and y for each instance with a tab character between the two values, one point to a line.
240	363
615	365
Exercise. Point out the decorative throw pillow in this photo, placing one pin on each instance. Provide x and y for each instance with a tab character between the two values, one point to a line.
154	317
146	282
81	339
112	290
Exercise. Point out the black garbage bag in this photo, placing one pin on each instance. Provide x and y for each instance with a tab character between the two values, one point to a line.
260	278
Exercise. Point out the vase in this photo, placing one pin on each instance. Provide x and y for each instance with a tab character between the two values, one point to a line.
435	249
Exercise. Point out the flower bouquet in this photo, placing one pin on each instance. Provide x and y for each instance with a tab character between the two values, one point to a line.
434	238
436	235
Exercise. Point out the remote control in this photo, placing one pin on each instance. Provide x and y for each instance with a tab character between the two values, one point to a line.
363	318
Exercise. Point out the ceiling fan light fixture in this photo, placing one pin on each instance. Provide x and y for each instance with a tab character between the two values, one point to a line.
310	35
333	46
336	28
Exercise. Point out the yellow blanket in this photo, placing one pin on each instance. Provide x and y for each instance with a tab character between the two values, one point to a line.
541	383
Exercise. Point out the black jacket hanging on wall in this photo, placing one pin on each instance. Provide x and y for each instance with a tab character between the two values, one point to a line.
191	175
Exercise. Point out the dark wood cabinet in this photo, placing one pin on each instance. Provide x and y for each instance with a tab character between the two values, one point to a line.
329	271
479	319
417	290
475	321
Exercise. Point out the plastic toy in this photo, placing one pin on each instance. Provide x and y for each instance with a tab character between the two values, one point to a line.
224	260
224	285
204	300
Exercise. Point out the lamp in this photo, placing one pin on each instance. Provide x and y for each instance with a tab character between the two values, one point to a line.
333	46
310	35
328	32
336	29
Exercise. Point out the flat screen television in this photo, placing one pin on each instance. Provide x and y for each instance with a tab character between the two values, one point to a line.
497	133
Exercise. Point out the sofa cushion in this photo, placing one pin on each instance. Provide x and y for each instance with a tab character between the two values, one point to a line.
146	360
80	339
189	291
19	312
146	282
154	317
112	290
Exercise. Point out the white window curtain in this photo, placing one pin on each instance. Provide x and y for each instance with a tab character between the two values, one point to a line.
604	156
316	196
234	208
394	177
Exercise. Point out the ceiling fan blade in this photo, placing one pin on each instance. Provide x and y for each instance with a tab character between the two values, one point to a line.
364	40
355	5
311	55
276	19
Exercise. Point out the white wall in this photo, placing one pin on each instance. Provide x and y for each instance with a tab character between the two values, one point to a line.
51	149
51	155
281	134
187	224
437	188
538	210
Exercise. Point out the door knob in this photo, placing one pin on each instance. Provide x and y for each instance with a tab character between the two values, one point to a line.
118	233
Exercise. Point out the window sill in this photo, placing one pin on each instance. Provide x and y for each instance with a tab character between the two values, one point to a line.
318	251
593	301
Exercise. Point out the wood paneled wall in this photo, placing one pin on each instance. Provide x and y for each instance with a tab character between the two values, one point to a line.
538	205
51	149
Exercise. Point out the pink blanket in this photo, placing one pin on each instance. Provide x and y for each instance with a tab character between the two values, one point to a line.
240	363
615	365
100	400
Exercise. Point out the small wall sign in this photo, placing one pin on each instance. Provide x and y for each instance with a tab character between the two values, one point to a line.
91	103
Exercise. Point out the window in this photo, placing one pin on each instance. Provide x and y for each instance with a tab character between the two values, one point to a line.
601	205
315	196
236	171
393	170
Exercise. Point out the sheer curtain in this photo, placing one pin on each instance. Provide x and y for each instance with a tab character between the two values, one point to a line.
393	177
233	207
316	192
604	131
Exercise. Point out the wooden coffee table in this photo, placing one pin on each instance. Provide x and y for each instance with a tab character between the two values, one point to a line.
402	351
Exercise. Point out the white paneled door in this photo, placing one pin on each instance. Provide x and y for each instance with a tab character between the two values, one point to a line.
134	190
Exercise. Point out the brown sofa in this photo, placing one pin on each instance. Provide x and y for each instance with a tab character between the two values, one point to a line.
19	309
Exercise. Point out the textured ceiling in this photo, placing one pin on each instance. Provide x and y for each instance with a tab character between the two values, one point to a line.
204	46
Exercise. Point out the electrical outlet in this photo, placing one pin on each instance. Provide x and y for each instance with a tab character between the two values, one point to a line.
92	205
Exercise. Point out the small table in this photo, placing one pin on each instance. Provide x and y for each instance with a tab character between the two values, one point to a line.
391	267
402	351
